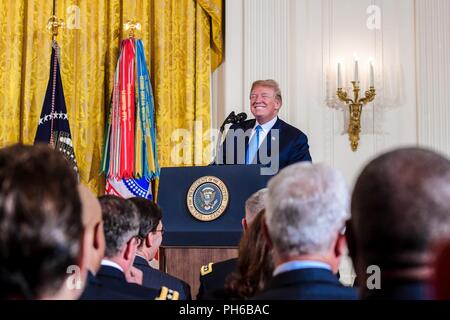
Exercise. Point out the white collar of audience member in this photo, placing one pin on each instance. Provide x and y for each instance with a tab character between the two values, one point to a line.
297	265
109	263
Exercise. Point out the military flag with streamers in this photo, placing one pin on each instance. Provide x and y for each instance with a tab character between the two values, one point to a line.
129	155
53	127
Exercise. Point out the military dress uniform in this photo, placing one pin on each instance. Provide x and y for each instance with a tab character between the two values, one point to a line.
153	278
213	276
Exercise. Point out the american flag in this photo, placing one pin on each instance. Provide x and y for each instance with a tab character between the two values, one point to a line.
53	127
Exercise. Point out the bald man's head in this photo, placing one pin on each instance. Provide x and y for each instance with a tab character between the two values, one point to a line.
91	210
400	207
94	238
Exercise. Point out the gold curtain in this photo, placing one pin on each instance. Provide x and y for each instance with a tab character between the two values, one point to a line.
183	43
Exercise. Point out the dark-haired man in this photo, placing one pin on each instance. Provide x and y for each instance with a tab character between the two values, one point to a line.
151	233
121	227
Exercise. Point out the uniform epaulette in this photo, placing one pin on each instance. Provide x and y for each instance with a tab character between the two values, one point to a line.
168	294
207	268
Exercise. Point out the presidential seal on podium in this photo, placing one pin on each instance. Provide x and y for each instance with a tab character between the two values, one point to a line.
207	198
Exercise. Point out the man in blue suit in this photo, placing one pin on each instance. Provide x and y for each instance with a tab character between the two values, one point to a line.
151	233
265	140
306	211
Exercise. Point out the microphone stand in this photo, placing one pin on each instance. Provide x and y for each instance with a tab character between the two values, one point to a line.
230	119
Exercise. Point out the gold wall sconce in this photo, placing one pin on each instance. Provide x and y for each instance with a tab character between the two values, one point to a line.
356	104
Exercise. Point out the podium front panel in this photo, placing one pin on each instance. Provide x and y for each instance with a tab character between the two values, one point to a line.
184	230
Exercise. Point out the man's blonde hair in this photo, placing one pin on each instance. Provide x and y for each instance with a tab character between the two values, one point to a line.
269	83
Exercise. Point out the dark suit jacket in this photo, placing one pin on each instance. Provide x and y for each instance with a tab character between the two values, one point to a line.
400	290
292	144
306	284
215	280
156	279
110	284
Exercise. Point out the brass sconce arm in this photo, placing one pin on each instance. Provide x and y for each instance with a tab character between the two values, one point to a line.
355	108
342	95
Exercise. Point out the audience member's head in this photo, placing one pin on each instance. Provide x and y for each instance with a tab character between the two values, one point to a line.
400	208
255	264
307	207
254	205
94	237
40	224
150	228
121	227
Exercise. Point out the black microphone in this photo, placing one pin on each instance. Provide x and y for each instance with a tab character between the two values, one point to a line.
230	119
240	117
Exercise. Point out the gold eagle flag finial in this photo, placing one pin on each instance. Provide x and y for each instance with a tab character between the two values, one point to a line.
132	26
53	25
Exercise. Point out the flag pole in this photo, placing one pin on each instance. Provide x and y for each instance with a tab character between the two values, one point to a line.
54	23
53	126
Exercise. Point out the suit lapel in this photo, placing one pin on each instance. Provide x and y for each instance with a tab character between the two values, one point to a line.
248	126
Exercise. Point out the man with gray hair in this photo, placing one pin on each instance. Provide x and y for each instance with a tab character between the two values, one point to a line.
253	205
306	211
400	210
213	275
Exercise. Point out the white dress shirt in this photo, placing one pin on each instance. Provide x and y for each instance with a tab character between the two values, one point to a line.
109	263
265	128
297	265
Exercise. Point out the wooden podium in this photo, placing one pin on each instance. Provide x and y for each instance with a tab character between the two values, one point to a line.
188	242
184	262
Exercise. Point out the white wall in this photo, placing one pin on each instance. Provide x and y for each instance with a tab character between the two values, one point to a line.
298	43
433	73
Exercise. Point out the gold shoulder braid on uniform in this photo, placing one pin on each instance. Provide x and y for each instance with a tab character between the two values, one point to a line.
168	294
207	268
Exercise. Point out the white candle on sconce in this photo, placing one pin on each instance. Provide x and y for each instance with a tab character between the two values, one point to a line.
339	83
356	77
372	75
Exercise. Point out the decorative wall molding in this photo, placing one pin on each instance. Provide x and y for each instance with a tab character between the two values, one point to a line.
266	44
433	73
